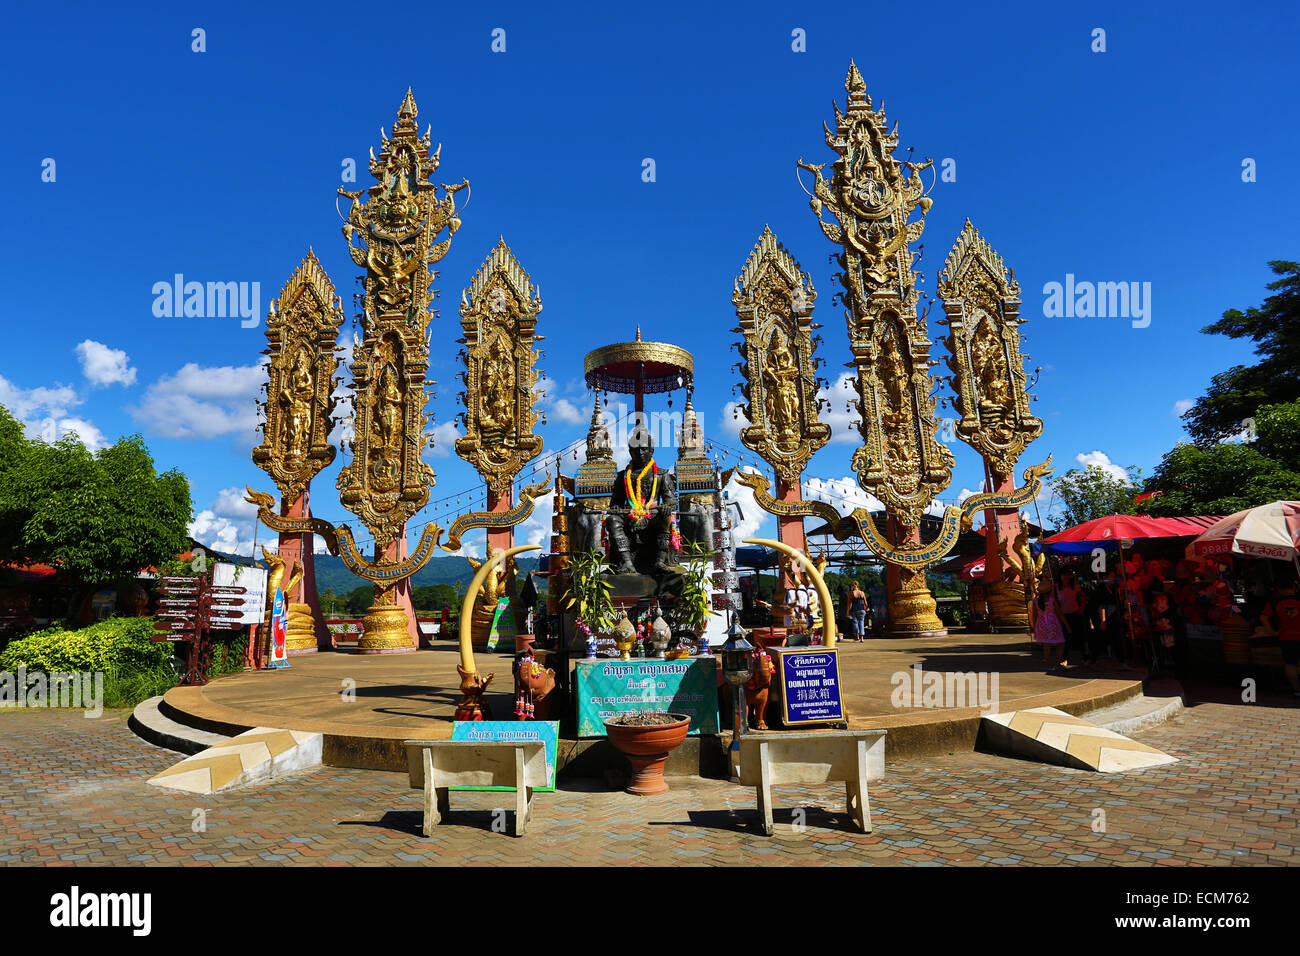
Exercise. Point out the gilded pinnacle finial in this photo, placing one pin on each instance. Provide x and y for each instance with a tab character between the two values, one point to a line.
854	84
638	332
408	110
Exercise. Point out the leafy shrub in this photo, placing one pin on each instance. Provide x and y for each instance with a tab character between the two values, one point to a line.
119	645
228	650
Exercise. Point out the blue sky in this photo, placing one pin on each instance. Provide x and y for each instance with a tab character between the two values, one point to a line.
222	165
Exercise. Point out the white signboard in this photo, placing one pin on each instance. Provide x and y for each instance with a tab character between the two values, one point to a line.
252	580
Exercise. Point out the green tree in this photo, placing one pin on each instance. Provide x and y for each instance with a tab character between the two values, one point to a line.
1236	395
434	597
1232	476
359	600
1092	492
98	517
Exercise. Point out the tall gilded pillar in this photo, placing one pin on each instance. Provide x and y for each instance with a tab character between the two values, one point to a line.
981	302
404	228
872	197
301	327
498	317
774	300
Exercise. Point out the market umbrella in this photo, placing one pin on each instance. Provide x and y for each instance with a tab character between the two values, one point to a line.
1266	531
1118	527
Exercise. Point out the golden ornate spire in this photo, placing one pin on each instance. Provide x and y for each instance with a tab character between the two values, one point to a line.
981	303
301	327
774	300
498	315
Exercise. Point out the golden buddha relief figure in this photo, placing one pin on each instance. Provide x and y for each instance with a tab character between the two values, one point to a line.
781	375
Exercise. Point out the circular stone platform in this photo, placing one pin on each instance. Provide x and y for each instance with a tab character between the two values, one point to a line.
404	696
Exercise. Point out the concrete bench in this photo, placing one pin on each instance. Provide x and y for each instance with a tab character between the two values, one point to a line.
854	756
435	765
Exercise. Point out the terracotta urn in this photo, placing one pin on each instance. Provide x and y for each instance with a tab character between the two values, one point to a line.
647	747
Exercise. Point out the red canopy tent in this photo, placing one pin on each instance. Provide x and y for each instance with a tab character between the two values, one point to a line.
1120	527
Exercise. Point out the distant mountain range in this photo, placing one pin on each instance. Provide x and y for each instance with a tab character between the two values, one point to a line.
332	573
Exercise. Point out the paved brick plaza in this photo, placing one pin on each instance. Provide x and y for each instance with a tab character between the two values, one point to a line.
73	792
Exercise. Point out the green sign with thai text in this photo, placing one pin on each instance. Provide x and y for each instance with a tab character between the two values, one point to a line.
688	686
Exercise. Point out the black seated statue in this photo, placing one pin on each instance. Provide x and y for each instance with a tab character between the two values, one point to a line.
641	511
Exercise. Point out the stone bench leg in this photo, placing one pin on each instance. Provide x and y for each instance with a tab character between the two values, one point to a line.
764	789
523	795
436	801
857	792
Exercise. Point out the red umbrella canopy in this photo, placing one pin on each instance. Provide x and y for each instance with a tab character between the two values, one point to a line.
1114	527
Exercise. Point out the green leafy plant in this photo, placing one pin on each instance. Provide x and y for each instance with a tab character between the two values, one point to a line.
694	604
135	668
589	591
118	645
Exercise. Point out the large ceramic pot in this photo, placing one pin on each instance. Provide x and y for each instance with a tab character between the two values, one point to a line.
647	748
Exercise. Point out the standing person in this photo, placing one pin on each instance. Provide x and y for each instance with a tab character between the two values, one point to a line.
858	611
1049	630
1110	620
1284	614
1071	602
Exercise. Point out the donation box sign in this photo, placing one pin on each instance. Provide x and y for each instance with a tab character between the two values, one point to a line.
810	685
687	686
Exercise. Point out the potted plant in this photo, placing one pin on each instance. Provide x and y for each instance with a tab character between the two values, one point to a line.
647	739
694	604
589	595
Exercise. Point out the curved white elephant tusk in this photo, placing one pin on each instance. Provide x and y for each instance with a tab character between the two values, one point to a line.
823	592
471	595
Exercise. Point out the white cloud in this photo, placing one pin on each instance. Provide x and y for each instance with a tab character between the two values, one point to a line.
1181	406
220	534
560	410
537	529
52	429
733	420
230	503
752	516
227	525
843	494
46	413
24	403
566	413
203	402
345	430
103	365
1101	460
842	415
444	439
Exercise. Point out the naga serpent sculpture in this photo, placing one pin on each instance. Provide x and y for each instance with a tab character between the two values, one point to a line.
496	519
915	555
340	542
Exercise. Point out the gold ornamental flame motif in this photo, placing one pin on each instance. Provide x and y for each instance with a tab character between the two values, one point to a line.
301	328
774	300
872	197
981	303
403	228
498	314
